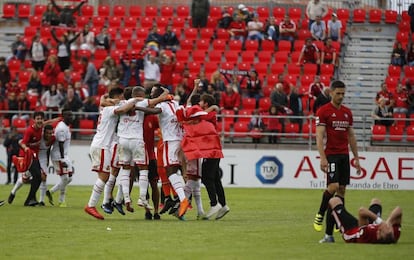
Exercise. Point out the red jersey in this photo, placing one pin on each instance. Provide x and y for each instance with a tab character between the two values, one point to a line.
328	53
337	123
309	53
385	94
167	71
150	125
31	139
315	89
239	28
290	25
367	234
401	99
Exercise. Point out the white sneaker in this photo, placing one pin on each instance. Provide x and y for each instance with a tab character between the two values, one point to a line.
144	203
212	211
222	212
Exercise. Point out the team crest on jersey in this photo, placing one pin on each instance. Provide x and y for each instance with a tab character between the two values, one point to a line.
333	115
346	115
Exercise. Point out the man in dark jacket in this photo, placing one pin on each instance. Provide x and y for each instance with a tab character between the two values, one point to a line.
200	10
12	147
66	13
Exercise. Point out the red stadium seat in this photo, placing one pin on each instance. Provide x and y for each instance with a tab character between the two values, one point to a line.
183	11
235	45
104	10
81	21
293	69
396	133
410	133
263	11
327	69
306	80
404	26
251	45
378	132
167	11
182	55
409	71
343	14
375	15
119	11
86	127
203	44
241	129
98	21
198	55
114	21
394	71
231	56
359	15
87	10
227	66
135	11
265	56
151	10
137	44
219	44
146	22
121	44
215	12
210	67
9	10
279	12
308	129
244	66
391	16
206	33
187	44
249	103
39	9
291	130
268	45
284	45
162	21
35	20
261	68
24	10
130	22
295	13
264	104
191	33
222	34
403	38
310	69
30	31
248	56
126	33
304	34
400	119
20	124
277	68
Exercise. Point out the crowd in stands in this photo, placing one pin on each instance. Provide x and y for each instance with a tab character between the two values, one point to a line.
254	60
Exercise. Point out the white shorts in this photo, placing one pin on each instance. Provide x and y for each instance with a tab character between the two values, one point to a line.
132	152
101	159
114	155
171	153
60	170
194	167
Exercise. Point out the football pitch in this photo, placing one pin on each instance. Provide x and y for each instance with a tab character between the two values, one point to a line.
262	224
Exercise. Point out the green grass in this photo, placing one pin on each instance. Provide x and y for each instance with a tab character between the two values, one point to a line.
262	224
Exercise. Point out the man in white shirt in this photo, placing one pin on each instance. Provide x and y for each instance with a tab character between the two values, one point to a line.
318	29
152	72
172	134
60	156
334	28
315	8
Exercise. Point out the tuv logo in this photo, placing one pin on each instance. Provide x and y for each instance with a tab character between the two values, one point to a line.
269	170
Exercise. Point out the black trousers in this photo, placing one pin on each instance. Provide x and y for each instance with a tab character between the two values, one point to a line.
211	179
9	170
36	180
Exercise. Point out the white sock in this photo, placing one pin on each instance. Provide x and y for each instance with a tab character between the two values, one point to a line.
119	194
108	188
96	192
188	189
177	182
56	186
124	183
65	181
197	196
42	189
143	184
17	186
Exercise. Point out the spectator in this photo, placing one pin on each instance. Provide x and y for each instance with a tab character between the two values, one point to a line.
67	78
287	30
34	86
130	70
23	105
212	90
272	31
225	19
316	87
91	77
167	69
255	29
254	86
386	94
51	100
410	55
315	8
237	28
154	39
152	74
109	72
169	39
273	124
38	53
410	100
218	81
11	105
287	86
382	114
335	29
411	14
398	55
50	17
278	97
12	86
181	94
103	39
295	104
401	99
309	53
256	126
63	49
74	104
87	39
200	10
323	98
81	91
318	29
90	107
11	143
66	13
51	70
230	99
5	75
328	55
243	12
19	48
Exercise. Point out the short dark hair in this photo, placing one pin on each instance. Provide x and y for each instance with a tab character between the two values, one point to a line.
39	113
195	99
137	90
337	84
209	99
47	127
128	92
158	90
115	92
